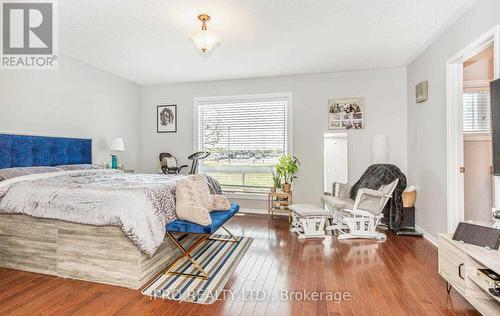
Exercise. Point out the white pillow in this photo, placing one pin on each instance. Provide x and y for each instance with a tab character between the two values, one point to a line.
220	203
193	201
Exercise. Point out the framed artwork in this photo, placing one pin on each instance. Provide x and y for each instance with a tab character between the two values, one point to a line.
421	91
346	113
166	119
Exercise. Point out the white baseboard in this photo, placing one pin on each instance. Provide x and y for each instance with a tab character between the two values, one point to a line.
427	236
259	211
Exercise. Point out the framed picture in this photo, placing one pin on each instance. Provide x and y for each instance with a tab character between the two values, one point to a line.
421	91
346	113
166	118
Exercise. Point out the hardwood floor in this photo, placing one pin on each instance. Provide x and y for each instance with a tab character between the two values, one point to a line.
397	277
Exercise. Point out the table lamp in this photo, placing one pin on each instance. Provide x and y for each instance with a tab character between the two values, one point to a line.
116	145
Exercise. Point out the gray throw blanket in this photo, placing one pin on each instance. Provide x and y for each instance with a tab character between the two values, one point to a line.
213	185
376	176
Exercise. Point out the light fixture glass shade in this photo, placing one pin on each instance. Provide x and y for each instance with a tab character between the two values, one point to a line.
117	145
205	40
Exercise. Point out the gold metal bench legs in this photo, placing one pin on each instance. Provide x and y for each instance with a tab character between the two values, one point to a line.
231	238
187	253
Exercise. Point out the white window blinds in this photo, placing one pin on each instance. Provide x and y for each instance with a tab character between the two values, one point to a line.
245	136
477	112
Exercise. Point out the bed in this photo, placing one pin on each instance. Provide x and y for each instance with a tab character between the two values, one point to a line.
95	225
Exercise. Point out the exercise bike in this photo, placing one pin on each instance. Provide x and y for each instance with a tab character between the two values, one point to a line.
169	163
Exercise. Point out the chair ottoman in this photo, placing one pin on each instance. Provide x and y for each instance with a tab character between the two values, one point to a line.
308	220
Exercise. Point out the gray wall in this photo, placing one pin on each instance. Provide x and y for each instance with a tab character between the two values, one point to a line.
427	121
384	90
75	100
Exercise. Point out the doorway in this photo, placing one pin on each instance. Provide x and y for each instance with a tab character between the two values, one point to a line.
478	158
335	159
456	126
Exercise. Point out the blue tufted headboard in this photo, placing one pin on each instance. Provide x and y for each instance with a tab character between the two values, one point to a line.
28	151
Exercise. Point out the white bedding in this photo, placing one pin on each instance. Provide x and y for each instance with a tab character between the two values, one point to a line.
141	204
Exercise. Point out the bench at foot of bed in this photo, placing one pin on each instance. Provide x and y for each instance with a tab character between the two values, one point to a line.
219	218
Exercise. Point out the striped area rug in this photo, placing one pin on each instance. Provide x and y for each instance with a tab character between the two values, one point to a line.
218	258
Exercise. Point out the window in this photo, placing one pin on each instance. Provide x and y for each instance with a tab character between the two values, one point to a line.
245	135
477	112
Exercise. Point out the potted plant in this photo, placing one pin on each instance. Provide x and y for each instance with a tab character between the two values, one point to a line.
286	168
276	182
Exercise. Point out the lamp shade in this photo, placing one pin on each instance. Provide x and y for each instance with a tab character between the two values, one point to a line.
380	149
117	145
205	40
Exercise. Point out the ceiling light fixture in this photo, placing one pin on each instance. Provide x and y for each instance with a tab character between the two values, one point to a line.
205	40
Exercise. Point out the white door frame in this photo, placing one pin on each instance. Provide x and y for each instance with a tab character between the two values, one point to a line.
454	121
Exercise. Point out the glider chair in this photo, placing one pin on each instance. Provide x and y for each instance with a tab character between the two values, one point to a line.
358	218
169	164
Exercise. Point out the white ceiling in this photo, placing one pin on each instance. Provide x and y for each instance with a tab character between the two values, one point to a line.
148	41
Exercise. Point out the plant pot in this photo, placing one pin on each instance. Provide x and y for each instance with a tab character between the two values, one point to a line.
287	187
273	189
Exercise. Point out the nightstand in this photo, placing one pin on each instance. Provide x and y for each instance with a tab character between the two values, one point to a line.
278	201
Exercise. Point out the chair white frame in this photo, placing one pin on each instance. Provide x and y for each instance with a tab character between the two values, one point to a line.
357	223
308	226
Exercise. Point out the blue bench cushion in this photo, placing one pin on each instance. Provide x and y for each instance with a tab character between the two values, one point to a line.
218	219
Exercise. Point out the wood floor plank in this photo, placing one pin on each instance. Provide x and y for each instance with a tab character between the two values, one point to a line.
395	277
284	259
424	271
346	307
350	252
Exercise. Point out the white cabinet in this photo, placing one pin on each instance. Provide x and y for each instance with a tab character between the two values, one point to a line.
458	264
451	264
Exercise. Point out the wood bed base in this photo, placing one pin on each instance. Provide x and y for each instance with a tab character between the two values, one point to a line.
76	251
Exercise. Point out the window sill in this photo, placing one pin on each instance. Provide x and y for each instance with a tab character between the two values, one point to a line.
246	196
